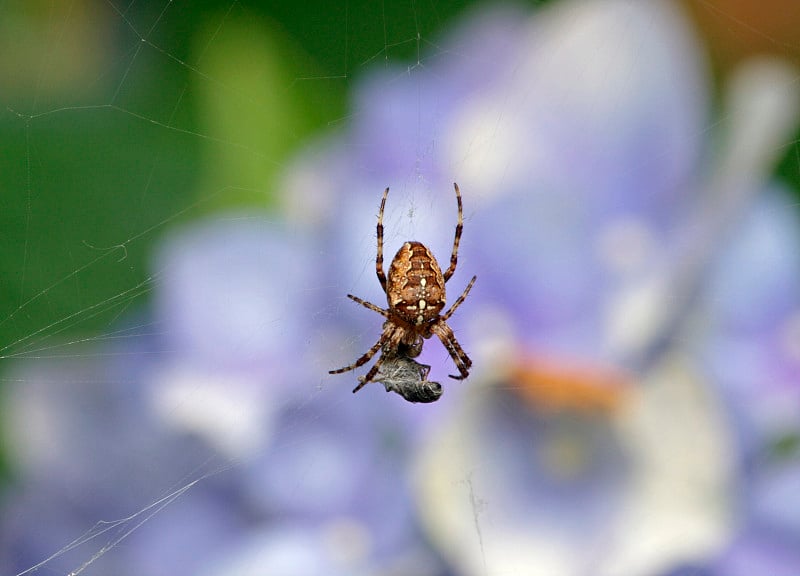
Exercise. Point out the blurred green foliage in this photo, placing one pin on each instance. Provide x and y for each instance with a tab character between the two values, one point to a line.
189	109
788	170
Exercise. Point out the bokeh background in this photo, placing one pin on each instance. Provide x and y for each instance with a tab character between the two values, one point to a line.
188	192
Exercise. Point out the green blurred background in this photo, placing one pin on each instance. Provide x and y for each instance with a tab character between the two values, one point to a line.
118	122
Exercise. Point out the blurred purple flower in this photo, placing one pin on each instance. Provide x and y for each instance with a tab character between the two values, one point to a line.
91	457
606	254
611	247
217	415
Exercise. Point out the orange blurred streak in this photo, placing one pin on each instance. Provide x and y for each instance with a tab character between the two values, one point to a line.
737	29
564	384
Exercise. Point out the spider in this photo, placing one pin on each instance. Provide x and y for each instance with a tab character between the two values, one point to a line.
415	292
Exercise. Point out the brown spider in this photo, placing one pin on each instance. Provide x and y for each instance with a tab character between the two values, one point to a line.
415	291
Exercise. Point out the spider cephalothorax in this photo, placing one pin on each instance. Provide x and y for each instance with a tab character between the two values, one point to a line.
415	292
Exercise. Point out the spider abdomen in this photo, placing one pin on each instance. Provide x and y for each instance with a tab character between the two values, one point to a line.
415	284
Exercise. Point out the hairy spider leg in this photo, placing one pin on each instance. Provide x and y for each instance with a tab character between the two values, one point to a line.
369	305
390	339
459	300
459	228
460	358
389	334
379	258
363	360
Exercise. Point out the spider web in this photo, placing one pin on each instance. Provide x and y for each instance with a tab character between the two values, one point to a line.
124	122
106	154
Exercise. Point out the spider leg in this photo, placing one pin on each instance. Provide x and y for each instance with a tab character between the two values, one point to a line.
391	337
460	358
364	380
366	357
457	239
379	258
459	300
369	305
